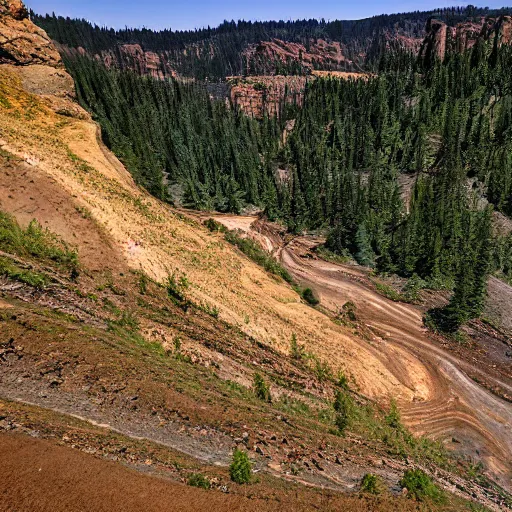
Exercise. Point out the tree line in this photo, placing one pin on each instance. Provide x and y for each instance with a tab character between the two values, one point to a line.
214	53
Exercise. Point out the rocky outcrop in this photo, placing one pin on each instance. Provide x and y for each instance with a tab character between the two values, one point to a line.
29	53
134	57
267	57
21	42
257	96
500	28
442	39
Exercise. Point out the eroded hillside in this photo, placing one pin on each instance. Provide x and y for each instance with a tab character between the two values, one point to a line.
142	347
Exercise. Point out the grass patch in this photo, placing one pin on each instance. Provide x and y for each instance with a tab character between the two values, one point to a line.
253	251
35	242
13	271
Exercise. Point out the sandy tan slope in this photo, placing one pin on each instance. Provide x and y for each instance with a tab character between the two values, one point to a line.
64	154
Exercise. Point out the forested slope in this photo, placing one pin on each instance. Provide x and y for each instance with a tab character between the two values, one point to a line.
446	125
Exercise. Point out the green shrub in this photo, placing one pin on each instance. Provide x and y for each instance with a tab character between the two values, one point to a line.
240	469
344	407
176	290
214	226
341	421
393	418
198	480
372	484
342	381
143	283
420	486
296	350
261	388
321	369
348	312
309	296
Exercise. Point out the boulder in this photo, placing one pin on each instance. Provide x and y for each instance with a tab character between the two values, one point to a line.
21	42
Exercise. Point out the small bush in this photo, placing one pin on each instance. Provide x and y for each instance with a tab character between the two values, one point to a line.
309	296
446	320
296	350
344	407
342	381
261	388
143	283
420	486
176	290
393	418
177	345
198	480
341	421
214	226
240	469
372	484
348	312
321	369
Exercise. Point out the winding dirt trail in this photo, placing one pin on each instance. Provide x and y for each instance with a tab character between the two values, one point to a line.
447	405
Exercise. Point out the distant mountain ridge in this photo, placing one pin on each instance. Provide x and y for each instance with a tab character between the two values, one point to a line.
244	47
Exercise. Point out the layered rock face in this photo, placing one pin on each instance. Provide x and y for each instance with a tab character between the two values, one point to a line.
21	42
265	56
257	96
143	62
442	39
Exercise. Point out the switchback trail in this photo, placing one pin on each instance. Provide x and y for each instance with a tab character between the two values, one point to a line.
448	405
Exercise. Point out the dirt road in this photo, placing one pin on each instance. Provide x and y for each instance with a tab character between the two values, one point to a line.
447	404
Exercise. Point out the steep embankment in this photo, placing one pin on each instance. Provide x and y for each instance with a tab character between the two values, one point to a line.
64	157
448	404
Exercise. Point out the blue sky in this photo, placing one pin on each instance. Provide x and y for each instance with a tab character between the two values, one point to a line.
181	15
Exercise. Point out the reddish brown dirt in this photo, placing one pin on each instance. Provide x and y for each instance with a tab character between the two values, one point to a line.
37	476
